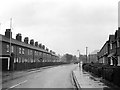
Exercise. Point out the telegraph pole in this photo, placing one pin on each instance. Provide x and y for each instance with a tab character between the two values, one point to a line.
0	26
89	57
86	53
79	56
10	44
10	33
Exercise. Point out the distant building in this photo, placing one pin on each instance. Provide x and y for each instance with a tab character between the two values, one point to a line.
92	58
83	58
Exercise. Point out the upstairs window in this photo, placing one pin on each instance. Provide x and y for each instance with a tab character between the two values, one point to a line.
19	50
35	52
8	48
111	46
118	43
23	51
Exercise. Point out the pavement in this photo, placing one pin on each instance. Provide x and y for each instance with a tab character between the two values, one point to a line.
85	80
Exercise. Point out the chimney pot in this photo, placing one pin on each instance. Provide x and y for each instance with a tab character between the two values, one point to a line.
8	32
19	37
36	44
26	39
32	41
40	45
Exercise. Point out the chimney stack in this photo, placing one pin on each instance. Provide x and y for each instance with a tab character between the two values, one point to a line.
50	51
47	49
40	45
32	41
8	32
36	44
26	39
43	46
19	37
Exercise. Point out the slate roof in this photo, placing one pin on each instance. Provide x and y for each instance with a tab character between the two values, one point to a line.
23	44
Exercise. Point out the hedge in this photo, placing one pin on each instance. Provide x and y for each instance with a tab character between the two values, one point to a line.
107	72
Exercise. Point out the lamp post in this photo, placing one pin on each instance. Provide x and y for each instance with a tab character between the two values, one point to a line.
86	53
11	54
10	33
79	56
89	57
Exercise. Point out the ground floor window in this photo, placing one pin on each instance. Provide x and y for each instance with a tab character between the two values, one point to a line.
111	61
118	60
19	60
26	60
15	60
23	60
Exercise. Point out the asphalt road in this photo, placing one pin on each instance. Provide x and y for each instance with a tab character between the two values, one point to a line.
55	77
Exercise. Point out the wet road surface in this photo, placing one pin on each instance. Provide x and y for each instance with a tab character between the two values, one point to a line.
56	77
59	77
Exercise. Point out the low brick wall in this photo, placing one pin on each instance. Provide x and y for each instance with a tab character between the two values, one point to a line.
26	66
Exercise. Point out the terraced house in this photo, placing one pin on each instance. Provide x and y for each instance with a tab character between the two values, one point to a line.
103	53
117	38
110	52
16	54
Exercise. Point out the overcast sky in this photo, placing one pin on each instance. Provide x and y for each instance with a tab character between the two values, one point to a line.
62	25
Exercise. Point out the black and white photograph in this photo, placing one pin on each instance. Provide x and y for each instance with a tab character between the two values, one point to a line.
60	44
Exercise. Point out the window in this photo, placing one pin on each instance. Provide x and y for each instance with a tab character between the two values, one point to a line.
19	50
31	60
12	49
118	43
23	51
111	46
118	60
35	52
26	60
19	60
14	60
8	48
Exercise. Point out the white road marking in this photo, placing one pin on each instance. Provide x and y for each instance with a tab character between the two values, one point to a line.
18	84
